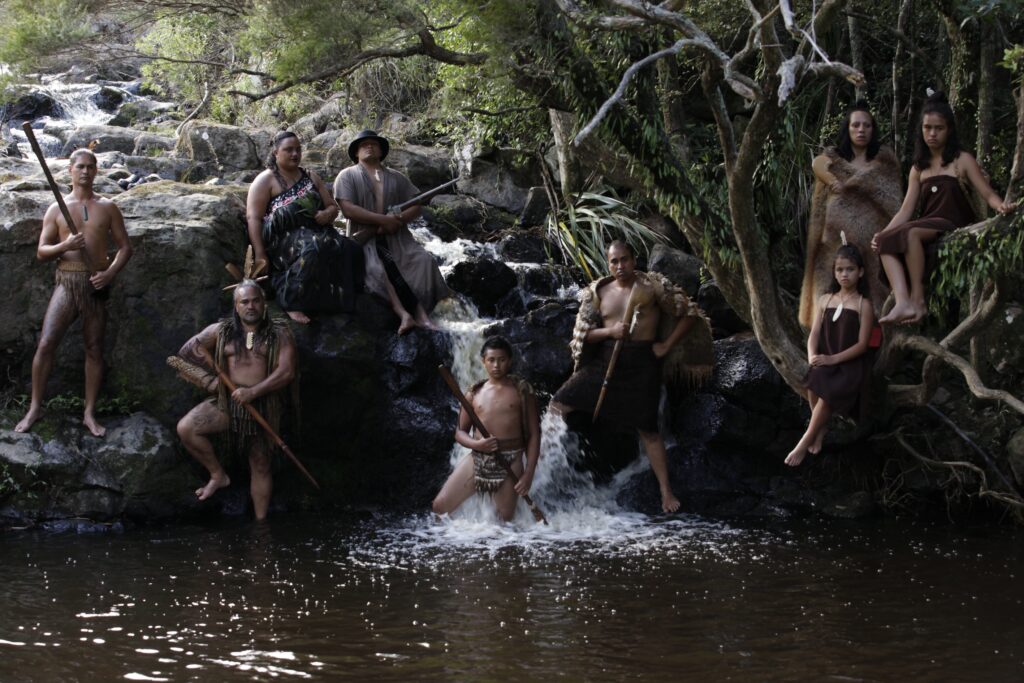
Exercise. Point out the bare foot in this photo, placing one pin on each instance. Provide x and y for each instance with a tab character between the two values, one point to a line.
899	313
408	323
815	447
93	426
669	503
31	417
796	456
299	317
212	486
920	311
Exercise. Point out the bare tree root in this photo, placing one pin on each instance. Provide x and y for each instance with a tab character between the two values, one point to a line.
974	383
957	470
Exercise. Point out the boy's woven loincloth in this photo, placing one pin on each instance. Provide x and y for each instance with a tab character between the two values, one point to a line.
488	469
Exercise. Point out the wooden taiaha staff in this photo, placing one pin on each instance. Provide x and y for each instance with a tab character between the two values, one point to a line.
449	379
630	307
30	134
259	419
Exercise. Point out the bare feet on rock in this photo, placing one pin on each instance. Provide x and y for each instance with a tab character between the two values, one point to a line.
299	317
93	426
906	312
815	447
669	502
31	417
407	325
212	486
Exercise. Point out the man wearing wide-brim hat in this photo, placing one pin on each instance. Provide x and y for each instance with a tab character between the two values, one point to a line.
398	268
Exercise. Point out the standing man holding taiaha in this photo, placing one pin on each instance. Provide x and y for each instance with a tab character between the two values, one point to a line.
78	292
616	346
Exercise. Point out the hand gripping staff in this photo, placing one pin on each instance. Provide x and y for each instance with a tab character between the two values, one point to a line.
629	316
30	134
446	375
259	419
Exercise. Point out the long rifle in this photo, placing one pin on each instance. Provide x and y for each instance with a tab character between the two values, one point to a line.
446	375
259	419
30	134
422	198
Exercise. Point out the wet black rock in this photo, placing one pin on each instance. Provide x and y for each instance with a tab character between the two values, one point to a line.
523	247
485	281
30	106
540	339
724	320
678	266
537	206
109	98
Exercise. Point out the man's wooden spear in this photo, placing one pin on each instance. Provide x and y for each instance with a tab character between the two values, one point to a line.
631	305
30	134
446	375
259	419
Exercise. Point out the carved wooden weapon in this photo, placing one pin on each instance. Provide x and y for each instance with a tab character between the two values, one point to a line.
631	305
446	375
259	419
30	134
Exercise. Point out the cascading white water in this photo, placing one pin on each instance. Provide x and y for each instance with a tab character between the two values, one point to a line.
576	508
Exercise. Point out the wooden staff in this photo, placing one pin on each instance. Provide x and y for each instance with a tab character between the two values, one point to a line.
446	375
630	306
30	134
259	419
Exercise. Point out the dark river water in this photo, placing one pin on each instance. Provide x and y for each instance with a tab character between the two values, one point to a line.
597	596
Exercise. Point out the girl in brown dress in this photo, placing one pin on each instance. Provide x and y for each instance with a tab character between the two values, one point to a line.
837	350
941	171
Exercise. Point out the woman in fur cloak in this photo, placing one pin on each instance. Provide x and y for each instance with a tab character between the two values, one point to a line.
856	191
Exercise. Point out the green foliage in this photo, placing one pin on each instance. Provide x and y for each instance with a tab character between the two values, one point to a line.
32	30
583	230
106	405
994	253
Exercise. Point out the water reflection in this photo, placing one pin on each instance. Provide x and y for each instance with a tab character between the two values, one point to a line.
399	598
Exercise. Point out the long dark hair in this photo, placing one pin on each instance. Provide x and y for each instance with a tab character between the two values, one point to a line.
850	253
844	146
278	139
937	104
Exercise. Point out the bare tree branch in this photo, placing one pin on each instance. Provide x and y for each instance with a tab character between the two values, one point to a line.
970	375
426	46
620	91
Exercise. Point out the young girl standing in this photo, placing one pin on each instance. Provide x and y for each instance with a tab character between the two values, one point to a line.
940	170
837	350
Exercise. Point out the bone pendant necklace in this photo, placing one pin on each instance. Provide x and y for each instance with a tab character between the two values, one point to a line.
250	340
839	310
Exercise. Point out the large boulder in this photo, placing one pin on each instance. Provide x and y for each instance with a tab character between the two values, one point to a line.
111	139
485	281
494	185
540	341
426	167
228	147
151	144
29	106
678	266
58	473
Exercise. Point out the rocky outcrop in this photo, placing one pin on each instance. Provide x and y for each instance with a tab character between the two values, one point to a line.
485	281
55	474
229	148
110	139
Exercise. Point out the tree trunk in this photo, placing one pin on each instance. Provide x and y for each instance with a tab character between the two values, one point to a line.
898	105
856	52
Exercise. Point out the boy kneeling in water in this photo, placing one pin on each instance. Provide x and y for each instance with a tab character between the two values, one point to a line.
507	407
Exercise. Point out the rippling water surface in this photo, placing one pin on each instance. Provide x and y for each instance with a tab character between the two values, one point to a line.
599	597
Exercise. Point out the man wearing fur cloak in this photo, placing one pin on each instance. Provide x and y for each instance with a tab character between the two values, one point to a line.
621	319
